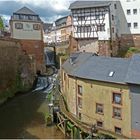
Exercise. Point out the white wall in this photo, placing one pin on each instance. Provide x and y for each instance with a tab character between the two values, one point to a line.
101	35
27	32
132	4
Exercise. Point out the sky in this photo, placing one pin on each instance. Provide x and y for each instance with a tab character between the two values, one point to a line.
48	10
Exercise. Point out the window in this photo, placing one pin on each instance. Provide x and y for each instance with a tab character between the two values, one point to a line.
36	27
81	18
113	30
16	16
117	99
18	25
99	108
79	102
87	28
135	25
118	130
128	12
97	16
35	18
117	112
135	11
65	76
78	29
80	90
80	115
129	25
63	31
99	124
30	17
115	6
21	16
112	17
26	17
101	27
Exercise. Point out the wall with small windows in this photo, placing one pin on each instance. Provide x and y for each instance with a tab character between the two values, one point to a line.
27	30
107	105
131	10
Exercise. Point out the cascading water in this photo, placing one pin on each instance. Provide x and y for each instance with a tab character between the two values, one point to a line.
41	83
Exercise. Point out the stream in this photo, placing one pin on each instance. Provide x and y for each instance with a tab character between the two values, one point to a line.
23	117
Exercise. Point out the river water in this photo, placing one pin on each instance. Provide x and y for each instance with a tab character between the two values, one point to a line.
22	117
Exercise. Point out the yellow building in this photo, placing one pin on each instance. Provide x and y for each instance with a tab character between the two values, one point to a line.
100	90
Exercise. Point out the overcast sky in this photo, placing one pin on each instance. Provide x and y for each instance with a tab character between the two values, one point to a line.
49	10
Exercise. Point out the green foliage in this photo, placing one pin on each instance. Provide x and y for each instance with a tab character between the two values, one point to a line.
128	52
104	136
48	119
16	86
49	96
1	23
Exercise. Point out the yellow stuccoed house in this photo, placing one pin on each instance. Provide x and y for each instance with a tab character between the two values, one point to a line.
104	91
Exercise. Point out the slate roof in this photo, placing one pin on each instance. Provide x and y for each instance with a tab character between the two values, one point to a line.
98	68
25	11
133	75
61	21
88	4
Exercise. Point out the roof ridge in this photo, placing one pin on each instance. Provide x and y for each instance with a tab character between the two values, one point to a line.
25	10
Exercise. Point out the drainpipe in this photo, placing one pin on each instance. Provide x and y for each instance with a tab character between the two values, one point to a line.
110	23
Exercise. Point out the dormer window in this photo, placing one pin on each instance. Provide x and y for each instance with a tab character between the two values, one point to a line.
30	17
21	16
16	16
35	17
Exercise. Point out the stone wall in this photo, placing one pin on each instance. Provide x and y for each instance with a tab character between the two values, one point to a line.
129	40
90	45
35	49
16	70
73	46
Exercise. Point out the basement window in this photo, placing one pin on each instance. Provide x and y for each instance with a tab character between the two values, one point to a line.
99	124
111	74
118	130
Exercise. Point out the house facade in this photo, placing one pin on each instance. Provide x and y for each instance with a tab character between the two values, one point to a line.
63	28
26	26
94	25
130	30
105	26
103	91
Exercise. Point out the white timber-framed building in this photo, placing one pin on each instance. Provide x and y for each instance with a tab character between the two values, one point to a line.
104	26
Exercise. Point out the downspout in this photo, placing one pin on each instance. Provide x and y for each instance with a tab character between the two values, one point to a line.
76	96
110	23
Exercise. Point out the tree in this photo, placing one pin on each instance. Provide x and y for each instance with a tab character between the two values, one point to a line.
1	24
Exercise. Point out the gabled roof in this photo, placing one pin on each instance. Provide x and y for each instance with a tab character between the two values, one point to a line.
107	69
25	11
89	4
